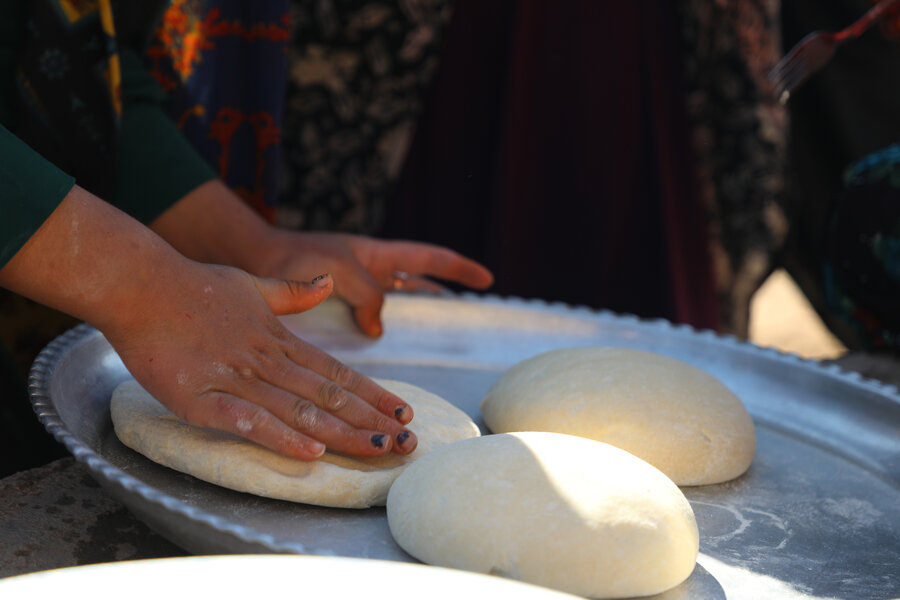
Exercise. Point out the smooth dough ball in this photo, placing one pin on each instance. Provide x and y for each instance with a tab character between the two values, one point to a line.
335	480
678	418
551	509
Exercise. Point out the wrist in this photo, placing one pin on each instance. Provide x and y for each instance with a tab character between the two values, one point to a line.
92	261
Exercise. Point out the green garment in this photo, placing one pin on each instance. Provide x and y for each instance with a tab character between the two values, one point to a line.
30	189
157	166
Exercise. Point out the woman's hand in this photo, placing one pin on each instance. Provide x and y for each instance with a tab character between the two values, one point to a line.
365	267
212	224
217	356
203	339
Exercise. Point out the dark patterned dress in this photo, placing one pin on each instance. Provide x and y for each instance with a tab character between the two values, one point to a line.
626	156
357	78
739	143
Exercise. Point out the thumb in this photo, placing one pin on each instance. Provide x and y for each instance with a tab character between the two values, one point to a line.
286	297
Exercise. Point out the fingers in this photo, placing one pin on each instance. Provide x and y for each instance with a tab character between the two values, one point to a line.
368	318
342	421
356	286
302	426
323	369
287	297
443	263
435	261
250	376
232	414
289	425
317	395
415	283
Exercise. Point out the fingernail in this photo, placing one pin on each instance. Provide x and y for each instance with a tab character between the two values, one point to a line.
378	440
320	281
316	448
403	414
402	437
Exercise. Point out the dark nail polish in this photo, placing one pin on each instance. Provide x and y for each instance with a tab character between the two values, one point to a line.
318	279
378	440
398	412
402	437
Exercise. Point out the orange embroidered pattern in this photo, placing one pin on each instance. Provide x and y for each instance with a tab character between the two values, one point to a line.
183	36
222	63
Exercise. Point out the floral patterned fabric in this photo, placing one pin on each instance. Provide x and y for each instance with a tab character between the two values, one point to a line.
223	65
359	70
58	106
739	142
358	74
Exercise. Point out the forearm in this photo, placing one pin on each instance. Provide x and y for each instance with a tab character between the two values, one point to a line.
92	261
213	225
203	339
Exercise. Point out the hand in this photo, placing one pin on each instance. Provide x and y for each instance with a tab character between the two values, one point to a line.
216	355
204	339
211	224
364	268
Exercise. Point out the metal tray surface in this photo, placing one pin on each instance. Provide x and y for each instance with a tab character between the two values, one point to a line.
816	516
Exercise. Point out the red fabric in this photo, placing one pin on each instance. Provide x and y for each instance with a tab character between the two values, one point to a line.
555	149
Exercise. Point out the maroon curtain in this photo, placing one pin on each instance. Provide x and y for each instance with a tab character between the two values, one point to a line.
555	149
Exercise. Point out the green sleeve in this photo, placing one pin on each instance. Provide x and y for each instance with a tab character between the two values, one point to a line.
157	165
30	189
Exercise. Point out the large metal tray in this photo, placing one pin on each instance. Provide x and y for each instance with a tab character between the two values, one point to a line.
816	516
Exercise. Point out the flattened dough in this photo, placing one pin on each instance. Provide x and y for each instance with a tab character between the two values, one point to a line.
146	426
551	509
680	419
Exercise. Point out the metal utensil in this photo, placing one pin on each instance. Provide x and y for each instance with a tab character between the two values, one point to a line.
815	50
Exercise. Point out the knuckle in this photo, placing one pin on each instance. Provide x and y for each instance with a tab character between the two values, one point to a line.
305	416
332	396
384	400
382	423
224	412
344	376
246	373
208	410
277	368
252	419
294	288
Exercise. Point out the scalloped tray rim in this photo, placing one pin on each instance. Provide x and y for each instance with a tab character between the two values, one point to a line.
45	363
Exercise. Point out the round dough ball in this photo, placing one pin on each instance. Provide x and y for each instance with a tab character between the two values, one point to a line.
336	480
678	418
551	509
